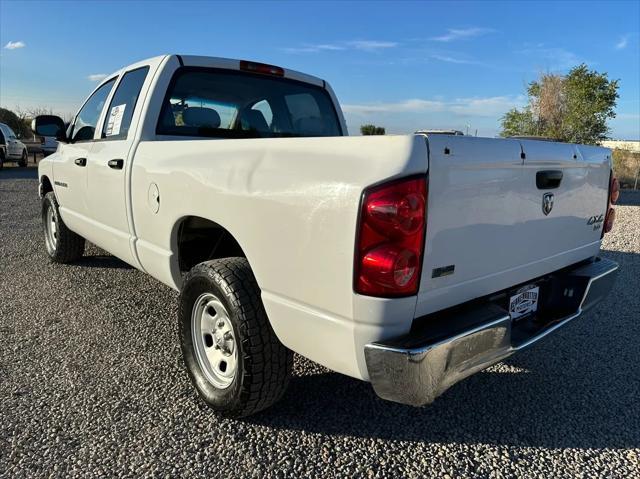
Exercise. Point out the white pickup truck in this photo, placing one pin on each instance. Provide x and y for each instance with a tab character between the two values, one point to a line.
407	261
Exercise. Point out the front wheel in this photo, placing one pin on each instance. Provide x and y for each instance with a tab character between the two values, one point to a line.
63	245
23	159
233	357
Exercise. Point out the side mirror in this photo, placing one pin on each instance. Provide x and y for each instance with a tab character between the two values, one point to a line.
49	125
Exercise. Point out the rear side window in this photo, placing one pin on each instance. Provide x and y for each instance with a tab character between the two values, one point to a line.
87	118
227	104
123	103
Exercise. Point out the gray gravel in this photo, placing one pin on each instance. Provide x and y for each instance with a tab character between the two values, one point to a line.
91	384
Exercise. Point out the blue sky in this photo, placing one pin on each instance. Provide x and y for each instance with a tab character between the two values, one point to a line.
403	65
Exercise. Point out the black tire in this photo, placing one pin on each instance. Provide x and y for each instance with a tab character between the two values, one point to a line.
1	159
68	246
263	365
23	159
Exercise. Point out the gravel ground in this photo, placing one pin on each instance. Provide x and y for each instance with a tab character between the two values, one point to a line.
91	384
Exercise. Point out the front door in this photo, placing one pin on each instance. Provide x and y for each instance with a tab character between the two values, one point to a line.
70	165
108	169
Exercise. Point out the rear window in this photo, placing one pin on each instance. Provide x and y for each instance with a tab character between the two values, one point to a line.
227	104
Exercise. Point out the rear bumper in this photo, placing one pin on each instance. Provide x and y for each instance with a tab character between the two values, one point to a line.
447	347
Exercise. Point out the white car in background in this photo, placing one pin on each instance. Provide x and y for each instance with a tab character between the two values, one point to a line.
48	144
11	149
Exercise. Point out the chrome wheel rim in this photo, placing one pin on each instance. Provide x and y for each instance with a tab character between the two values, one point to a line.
214	340
50	230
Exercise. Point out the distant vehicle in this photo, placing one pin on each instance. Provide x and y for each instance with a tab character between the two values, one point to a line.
48	144
532	137
410	261
440	132
11	149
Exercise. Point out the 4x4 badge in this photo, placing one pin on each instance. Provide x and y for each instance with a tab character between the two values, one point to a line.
547	203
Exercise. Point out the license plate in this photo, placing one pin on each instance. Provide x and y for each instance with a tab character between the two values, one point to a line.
524	302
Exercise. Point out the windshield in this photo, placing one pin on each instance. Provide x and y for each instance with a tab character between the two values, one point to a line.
229	104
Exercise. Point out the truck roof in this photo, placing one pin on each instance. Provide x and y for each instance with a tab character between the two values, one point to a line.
220	62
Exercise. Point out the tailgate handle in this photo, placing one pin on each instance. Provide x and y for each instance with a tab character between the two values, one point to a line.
548	179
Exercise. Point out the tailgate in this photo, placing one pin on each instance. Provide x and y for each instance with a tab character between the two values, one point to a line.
497	216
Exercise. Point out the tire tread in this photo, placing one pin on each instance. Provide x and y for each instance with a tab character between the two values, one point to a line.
70	246
267	362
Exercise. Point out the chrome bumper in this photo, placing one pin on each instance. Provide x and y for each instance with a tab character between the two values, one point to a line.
417	368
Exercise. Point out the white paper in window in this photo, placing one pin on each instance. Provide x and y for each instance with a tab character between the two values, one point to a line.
115	120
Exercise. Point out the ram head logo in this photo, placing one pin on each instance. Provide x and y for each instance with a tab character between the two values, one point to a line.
547	203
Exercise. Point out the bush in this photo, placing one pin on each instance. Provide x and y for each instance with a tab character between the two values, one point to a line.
372	130
626	165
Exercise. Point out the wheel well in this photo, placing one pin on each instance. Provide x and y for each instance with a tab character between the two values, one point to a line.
45	185
200	239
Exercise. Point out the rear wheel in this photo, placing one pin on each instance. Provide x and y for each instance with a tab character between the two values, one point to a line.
1	159
63	245
233	357
23	159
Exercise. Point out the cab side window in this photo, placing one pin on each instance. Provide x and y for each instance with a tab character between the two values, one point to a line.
87	118
123	103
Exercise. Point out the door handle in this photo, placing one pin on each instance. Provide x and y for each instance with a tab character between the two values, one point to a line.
116	164
80	161
549	179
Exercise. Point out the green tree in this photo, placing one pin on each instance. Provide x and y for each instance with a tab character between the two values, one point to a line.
573	108
14	122
372	130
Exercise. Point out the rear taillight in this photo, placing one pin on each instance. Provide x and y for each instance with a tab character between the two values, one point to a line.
390	241
614	194
609	219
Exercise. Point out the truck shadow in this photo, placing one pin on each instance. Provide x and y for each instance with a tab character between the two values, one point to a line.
102	261
578	388
14	173
629	198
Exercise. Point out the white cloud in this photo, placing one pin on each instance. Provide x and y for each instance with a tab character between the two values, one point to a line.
328	46
622	43
460	33
487	106
309	48
412	105
15	45
97	76
371	45
555	58
364	45
449	59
